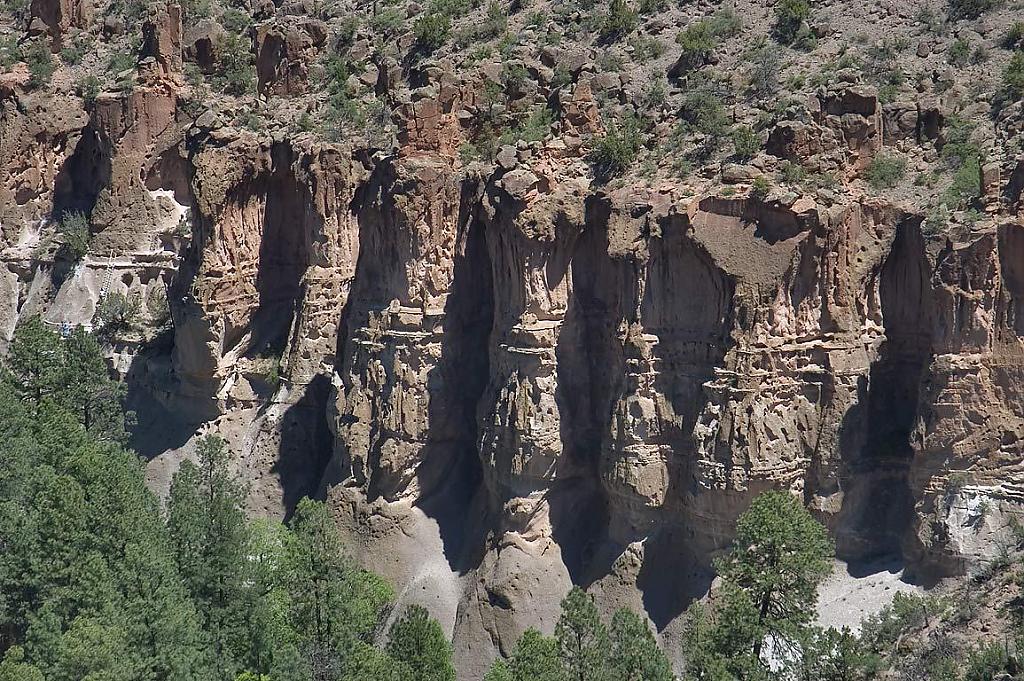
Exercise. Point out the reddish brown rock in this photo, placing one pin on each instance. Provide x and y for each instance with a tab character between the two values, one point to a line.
161	39
432	123
579	110
793	140
59	16
284	53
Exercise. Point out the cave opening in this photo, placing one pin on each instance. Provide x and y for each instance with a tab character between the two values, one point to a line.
83	176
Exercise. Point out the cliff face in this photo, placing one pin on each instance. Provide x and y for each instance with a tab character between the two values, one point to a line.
508	378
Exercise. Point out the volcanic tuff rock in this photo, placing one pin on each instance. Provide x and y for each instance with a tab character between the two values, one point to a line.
507	377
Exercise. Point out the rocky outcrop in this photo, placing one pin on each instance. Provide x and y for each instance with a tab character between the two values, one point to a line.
58	17
202	44
506	378
161	39
284	53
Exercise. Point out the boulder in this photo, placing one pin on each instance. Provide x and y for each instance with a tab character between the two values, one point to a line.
861	100
579	110
202	43
990	184
733	173
793	140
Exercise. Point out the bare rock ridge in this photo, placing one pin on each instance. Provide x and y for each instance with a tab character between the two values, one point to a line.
507	377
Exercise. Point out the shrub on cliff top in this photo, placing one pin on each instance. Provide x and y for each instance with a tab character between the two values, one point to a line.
89	88
702	112
1013	76
1014	37
970	9
621	20
745	141
959	52
10	52
238	76
40	64
790	20
432	31
885	171
617	150
18	9
698	43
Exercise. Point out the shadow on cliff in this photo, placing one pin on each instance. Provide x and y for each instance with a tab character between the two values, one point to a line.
306	444
687	304
83	175
448	470
450	474
160	426
76	188
290	224
590	371
605	372
877	437
672	575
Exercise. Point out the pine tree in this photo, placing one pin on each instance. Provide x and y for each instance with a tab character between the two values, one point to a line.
86	555
208	530
536	658
14	668
779	557
635	652
835	655
768	592
500	671
417	641
34	360
333	605
582	638
90	649
86	389
272	641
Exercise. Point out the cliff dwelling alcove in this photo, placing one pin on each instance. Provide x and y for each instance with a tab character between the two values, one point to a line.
878	503
84	174
289	225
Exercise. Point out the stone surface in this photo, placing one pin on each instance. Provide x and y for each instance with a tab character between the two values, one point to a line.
505	377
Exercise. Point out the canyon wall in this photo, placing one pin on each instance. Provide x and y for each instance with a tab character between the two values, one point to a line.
507	378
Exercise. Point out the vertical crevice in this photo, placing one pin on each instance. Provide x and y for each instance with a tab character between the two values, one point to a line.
590	371
878	503
289	222
450	474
